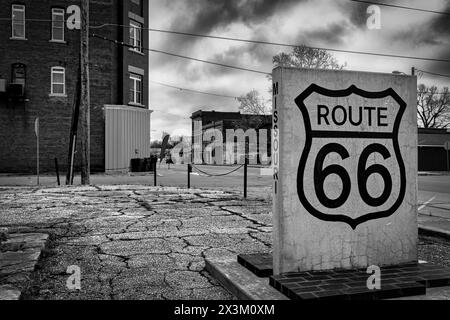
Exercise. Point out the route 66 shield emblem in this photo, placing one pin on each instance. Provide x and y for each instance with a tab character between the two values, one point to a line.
351	153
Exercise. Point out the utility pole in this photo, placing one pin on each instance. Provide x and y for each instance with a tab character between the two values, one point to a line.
36	130
74	127
85	97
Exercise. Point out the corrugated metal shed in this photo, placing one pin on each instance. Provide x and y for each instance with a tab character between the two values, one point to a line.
127	136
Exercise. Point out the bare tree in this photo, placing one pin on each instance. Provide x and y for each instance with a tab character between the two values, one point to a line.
300	57
253	103
433	107
306	57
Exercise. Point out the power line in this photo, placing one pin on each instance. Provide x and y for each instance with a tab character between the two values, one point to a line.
227	96
296	45
194	91
269	42
180	56
100	26
433	73
276	43
209	62
171	114
401	7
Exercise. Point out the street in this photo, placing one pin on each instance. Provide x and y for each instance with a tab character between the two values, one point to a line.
435	183
177	177
433	190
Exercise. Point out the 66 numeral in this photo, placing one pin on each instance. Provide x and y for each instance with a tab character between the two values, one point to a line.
363	173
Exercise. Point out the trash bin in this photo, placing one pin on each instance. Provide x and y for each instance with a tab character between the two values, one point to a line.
135	165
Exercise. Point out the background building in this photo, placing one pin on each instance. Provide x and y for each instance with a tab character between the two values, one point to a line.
39	66
432	155
233	120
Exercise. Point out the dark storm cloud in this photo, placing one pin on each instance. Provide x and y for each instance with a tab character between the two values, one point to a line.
258	54
435	33
207	15
215	13
262	55
331	34
441	23
356	12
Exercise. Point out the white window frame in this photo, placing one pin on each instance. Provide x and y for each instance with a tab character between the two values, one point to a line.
136	41
18	8
137	84
58	12
62	71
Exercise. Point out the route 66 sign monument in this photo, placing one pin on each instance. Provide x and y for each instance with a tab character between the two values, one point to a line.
345	169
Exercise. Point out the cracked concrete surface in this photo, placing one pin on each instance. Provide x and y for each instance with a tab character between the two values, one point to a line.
140	242
135	242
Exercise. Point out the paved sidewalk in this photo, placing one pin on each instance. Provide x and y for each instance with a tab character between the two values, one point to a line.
434	213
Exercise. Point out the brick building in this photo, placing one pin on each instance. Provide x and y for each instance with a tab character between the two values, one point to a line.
223	121
39	61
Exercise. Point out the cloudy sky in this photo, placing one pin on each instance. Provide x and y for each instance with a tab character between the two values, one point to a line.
339	24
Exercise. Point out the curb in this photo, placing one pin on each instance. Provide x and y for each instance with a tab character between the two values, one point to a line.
437	174
240	281
435	232
20	254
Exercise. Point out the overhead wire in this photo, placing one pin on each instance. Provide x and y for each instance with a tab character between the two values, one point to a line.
192	90
100	26
180	56
433	73
401	7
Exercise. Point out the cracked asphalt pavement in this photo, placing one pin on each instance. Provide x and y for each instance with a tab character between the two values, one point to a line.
143	242
135	242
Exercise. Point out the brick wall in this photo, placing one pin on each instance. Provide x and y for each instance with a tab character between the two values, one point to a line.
17	139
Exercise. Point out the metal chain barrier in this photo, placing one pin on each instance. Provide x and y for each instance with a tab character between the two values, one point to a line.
217	175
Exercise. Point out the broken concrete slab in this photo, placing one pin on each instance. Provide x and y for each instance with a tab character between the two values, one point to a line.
241	282
3	234
18	258
21	241
9	292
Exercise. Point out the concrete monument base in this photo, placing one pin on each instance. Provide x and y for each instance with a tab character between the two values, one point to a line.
412	281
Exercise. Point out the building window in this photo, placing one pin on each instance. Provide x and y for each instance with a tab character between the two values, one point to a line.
58	81
57	24
18	21
18	73
135	88
136	36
